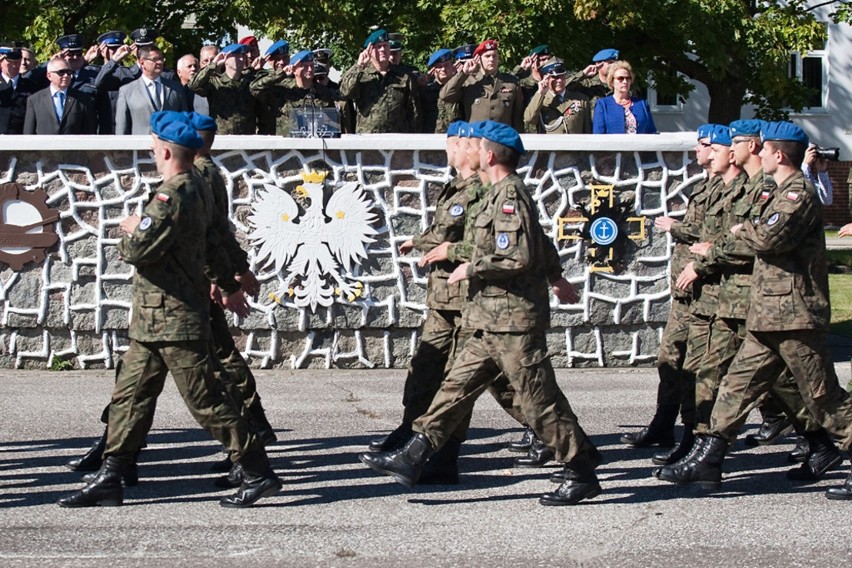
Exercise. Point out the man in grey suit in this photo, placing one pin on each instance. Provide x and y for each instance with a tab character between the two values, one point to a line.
58	109
139	99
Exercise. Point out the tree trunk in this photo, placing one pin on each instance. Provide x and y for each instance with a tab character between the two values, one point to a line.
726	100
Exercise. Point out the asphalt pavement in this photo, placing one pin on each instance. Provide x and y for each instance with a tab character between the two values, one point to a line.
333	511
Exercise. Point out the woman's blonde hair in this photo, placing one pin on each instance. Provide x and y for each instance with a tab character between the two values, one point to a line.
610	75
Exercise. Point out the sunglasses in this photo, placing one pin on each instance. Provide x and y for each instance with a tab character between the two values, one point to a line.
623	78
62	72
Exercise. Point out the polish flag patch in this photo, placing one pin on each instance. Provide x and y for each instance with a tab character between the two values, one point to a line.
163	197
792	195
764	194
508	208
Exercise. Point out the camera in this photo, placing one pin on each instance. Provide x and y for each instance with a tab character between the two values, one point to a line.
832	154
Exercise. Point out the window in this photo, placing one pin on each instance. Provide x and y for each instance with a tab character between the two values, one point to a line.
664	103
812	70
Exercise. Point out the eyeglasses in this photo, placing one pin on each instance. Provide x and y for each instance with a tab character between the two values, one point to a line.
154	59
623	78
62	72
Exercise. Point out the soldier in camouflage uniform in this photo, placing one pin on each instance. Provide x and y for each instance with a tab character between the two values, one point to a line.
508	312
170	328
278	57
484	92
231	102
445	244
438	114
384	95
592	80
787	321
676	391
293	90
555	110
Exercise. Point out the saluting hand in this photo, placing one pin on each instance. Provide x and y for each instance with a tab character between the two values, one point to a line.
120	53
543	86
364	57
91	53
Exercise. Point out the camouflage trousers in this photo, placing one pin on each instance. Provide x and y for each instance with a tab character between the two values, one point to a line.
674	380
442	338
140	378
726	338
523	359
758	365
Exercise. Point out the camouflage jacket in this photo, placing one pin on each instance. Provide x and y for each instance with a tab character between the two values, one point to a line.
592	86
733	270
235	253
383	103
487	97
511	264
437	114
170	291
789	287
231	102
462	251
550	113
705	290
447	226
280	93
686	232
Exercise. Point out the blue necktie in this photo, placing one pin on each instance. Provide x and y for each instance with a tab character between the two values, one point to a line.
59	105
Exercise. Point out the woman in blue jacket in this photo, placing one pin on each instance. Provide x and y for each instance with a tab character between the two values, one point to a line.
620	113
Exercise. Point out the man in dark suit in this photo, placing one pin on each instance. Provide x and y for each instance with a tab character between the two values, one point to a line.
58	109
14	91
139	99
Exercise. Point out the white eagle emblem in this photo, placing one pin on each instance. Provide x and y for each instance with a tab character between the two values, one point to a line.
315	246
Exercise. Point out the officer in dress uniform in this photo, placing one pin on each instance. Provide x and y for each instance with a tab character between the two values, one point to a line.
14	91
555	110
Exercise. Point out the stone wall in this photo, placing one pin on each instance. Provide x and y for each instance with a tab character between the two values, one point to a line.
75	304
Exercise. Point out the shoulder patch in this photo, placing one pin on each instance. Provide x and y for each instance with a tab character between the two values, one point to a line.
457	210
792	195
765	194
773	219
509	208
502	241
145	224
165	198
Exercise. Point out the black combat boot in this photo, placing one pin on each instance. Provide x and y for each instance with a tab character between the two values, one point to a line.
682	448
403	464
842	493
704	466
104	490
772	428
395	440
580	482
260	425
800	453
823	456
567	473
259	480
234	478
443	467
91	460
523	445
538	455
660	432
129	478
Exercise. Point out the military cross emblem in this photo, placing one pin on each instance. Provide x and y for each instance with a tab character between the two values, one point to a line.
605	226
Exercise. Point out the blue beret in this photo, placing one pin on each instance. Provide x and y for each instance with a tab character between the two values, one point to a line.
783	131
11	53
556	67
143	36
542	49
453	128
174	127
475	130
71	41
503	134
751	127
202	122
721	135
114	38
605	54
235	48
378	36
304	56
280	47
464	129
464	52
705	130
440	56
